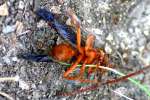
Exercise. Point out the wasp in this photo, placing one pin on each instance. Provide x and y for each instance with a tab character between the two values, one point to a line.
82	53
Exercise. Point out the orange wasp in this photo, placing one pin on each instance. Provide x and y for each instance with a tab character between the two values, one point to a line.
83	54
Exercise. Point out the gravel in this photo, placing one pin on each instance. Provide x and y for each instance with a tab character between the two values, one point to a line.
121	27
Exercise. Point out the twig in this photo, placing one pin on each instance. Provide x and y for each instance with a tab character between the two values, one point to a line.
142	87
94	87
127	76
90	88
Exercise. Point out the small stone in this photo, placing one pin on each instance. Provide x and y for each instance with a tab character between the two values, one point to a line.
61	1
146	32
145	58
89	20
134	23
21	5
68	22
96	31
141	48
36	95
33	86
17	78
41	23
109	37
42	87
56	9
137	30
8	20
4	10
125	55
19	27
11	1
148	46
15	59
139	77
9	28
121	90
142	41
103	6
23	85
122	45
6	60
131	30
108	48
134	53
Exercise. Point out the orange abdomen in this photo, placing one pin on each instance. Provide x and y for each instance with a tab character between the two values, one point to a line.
62	52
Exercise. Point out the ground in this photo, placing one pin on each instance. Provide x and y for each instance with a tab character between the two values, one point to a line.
121	27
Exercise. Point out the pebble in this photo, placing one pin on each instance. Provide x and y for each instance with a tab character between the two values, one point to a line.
7	60
11	1
8	20
56	9
68	21
142	41
23	71
103	6
108	48
109	37
33	86
23	85
9	29
146	32
139	77
4	10
19	27
15	59
147	9
89	20
145	58
21	5
131	30
141	48
125	55
148	46
121	90
36	95
41	24
122	45
42	87
96	31
134	53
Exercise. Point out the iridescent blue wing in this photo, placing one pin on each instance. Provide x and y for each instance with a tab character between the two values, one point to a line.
35	57
45	15
66	32
63	30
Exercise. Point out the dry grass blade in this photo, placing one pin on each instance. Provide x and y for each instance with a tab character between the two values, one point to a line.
126	76
6	95
94	87
3	79
122	95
